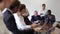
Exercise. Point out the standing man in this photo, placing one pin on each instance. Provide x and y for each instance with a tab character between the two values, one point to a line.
44	10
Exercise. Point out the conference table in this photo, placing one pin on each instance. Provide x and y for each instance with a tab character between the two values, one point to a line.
45	29
42	30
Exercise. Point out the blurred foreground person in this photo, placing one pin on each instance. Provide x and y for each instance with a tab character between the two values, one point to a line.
9	18
25	16
26	29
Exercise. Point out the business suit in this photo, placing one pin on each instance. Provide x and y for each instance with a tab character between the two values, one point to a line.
10	22
50	19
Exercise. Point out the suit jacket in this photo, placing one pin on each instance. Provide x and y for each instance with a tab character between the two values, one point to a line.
35	18
50	20
10	22
27	21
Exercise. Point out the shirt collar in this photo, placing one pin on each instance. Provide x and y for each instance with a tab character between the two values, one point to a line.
4	10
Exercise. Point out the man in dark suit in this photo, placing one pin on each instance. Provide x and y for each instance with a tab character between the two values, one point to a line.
50	18
36	18
9	19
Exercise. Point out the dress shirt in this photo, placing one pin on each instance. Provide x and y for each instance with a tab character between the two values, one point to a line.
43	12
20	22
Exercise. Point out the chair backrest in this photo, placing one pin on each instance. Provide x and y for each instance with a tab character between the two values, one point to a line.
54	25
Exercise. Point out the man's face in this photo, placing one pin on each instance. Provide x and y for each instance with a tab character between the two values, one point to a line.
43	7
35	13
1	5
48	13
8	3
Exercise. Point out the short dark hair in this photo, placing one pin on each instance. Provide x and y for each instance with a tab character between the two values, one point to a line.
49	11
22	6
43	4
35	11
15	4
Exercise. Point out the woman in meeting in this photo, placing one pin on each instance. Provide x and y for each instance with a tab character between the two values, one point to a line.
26	29
36	18
25	16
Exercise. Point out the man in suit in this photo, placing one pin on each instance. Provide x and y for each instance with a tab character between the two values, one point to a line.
50	18
35	18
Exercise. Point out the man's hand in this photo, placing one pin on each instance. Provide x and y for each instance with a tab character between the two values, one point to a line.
34	25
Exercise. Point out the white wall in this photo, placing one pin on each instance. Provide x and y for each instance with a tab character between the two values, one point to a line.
32	5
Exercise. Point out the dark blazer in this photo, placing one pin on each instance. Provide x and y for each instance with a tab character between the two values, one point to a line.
51	20
27	21
10	22
35	18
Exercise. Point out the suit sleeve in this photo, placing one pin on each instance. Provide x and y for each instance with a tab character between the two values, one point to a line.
32	20
40	17
12	25
53	19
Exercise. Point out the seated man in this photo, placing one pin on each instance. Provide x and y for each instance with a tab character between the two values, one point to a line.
35	18
49	18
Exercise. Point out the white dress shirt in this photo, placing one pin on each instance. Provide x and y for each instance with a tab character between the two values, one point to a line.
43	12
20	22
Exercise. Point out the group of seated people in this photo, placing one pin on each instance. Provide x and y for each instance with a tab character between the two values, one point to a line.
16	18
49	18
